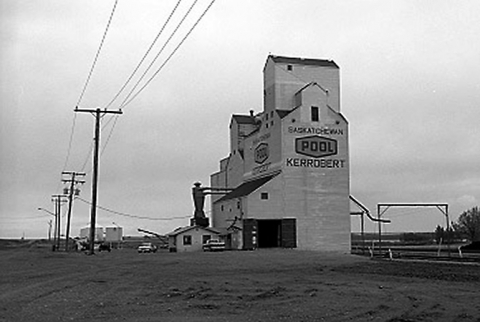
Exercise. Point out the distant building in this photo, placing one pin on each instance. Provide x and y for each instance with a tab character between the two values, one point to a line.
99	234
113	234
289	164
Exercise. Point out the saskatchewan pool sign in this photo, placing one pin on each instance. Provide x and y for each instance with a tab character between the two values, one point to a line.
316	146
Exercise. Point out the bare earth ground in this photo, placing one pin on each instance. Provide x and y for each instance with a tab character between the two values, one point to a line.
264	285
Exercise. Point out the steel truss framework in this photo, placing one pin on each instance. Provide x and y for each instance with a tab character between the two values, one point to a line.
383	207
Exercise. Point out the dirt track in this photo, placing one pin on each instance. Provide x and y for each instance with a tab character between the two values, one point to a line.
264	285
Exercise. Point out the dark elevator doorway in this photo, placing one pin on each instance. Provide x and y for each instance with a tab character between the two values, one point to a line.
269	233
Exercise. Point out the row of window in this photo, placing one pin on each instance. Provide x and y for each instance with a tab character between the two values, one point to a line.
263	196
314	113
271	115
187	239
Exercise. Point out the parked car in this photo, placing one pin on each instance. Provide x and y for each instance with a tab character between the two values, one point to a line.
104	247
213	245
147	248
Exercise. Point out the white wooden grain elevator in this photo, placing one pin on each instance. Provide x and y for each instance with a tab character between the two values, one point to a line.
288	165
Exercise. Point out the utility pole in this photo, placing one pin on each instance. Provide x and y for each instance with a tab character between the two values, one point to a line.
50	224
49	230
98	113
58	210
73	182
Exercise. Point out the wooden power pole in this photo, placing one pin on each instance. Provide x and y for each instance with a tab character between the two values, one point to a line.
98	113
70	191
58	212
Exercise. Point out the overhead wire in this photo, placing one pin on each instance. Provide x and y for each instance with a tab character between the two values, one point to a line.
115	117
145	55
90	73
159	53
129	98
69	149
98	53
125	103
169	57
130	215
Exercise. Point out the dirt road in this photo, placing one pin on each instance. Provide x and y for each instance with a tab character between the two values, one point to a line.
263	285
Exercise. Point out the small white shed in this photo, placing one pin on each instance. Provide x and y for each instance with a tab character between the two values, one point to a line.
190	238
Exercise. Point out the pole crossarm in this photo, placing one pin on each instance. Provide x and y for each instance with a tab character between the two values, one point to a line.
97	110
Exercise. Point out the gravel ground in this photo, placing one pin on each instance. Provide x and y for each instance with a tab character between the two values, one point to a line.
264	285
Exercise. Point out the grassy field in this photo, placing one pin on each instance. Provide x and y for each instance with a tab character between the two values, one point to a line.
265	285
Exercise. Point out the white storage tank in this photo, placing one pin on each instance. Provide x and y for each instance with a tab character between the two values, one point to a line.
85	233
113	234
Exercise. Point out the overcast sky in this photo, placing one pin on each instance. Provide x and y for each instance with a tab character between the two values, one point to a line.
410	88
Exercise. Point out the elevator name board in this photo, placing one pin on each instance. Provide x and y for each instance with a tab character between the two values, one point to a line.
261	153
316	146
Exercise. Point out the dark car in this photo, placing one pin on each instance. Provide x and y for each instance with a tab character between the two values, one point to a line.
104	247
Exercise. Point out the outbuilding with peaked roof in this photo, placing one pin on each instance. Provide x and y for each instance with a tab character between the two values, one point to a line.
190	238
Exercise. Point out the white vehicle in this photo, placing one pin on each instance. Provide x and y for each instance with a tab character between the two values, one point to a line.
147	248
213	245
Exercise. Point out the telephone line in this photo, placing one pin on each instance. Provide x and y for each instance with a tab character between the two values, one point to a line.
125	103
171	55
158	54
69	149
130	215
145	55
97	54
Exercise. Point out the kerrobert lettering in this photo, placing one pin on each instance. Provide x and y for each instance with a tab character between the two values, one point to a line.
315	163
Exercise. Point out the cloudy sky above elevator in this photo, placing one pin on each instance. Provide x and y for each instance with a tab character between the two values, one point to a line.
409	89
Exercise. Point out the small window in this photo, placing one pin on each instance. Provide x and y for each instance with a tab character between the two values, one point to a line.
315	116
266	125
264	195
271	123
206	238
266	117
187	239
238	204
271	114
289	67
222	207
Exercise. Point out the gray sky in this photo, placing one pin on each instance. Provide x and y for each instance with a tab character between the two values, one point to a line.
410	88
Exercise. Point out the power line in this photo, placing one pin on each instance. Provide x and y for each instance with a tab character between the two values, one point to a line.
98	53
130	215
158	54
69	149
146	54
171	55
125	103
109	134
